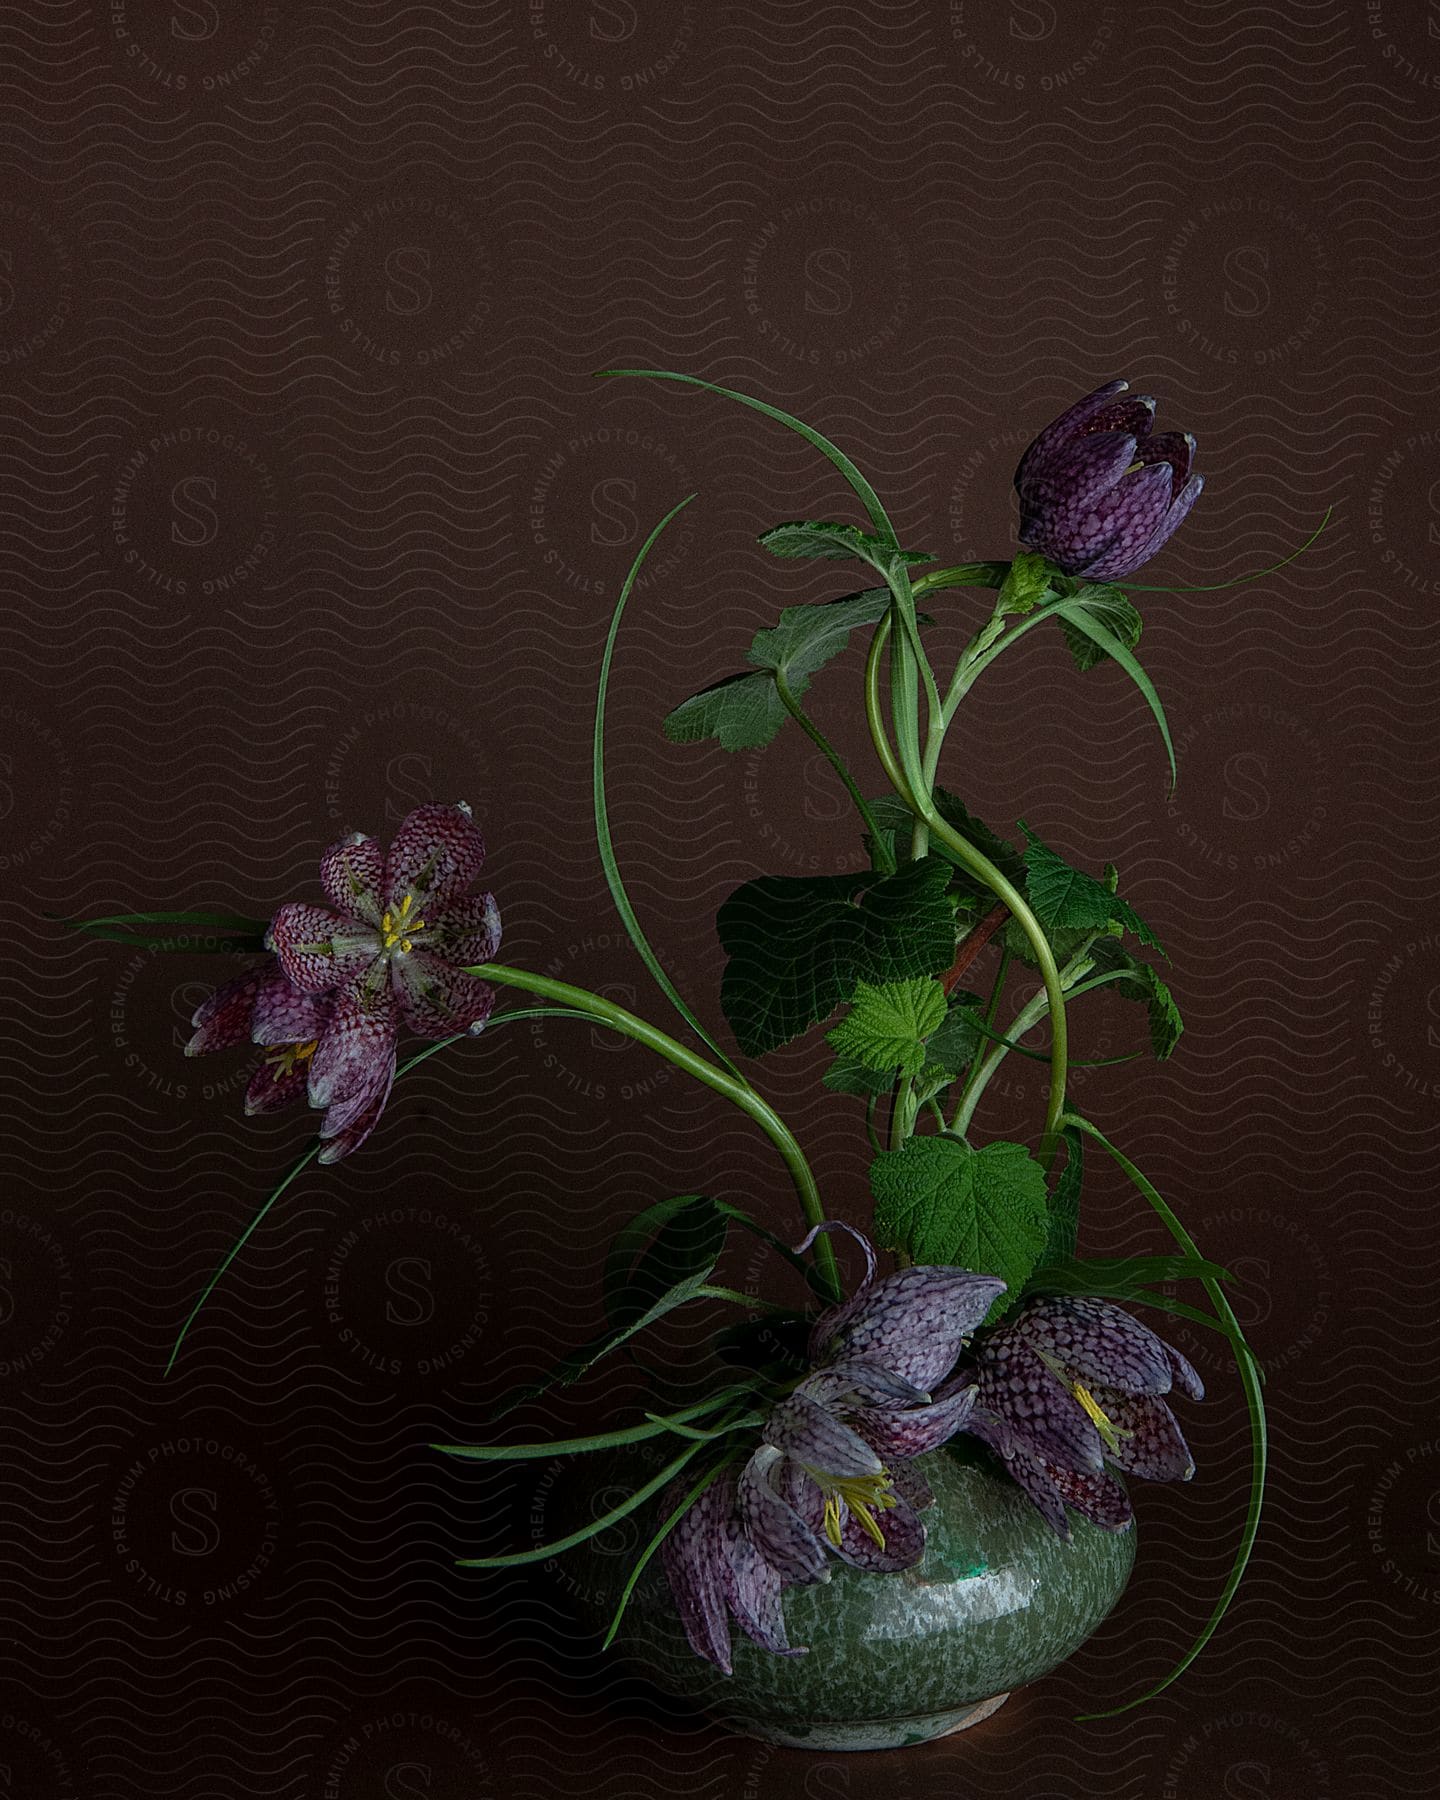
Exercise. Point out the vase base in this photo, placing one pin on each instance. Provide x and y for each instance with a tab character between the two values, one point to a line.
871	1734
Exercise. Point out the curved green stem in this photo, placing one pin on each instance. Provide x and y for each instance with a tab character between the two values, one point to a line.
837	762
981	867
744	1096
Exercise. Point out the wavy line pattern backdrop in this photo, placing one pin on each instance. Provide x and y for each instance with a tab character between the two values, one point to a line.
310	512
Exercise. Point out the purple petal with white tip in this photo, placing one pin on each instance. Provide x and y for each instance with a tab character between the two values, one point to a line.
805	1430
913	1322
777	1531
352	873
693	1555
899	1435
436	853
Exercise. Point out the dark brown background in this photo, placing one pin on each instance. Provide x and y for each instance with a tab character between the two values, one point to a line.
311	513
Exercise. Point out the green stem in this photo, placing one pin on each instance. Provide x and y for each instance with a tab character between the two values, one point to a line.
743	1096
749	1301
837	762
1025	1020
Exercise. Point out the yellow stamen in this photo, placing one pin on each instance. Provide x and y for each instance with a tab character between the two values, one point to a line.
863	1494
283	1060
398	927
1110	1433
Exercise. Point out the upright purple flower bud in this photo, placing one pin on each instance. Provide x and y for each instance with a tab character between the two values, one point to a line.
1099	491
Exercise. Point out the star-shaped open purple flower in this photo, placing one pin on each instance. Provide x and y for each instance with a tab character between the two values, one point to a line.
1065	1385
390	949
829	1474
1099	491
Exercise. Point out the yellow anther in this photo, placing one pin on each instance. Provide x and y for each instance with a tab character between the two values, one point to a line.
285	1058
1110	1433
397	925
863	1494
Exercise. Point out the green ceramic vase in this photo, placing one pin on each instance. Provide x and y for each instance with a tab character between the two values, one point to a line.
997	1601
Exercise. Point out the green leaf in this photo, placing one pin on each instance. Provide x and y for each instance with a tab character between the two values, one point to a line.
951	1048
1064	1207
859	486
1107	607
1063	943
1119	1277
1025	585
941	1202
886	1026
1137	980
847	1075
798	946
891	813
605	842
670	1272
745	711
821	537
1089	626
657	1425
1064	897
216	931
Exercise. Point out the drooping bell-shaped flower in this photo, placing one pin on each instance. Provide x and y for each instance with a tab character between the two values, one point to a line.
1067	1384
829	1476
1100	492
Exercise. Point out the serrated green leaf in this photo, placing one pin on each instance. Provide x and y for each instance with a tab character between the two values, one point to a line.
1065	897
1109	608
985	1210
1137	980
887	1025
745	711
951	1048
1063	943
1025	585
822	537
798	946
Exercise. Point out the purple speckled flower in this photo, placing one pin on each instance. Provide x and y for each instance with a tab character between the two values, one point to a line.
1099	491
390	949
1067	1384
830	1475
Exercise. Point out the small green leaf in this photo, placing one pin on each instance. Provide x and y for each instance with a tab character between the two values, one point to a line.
821	537
745	711
1025	585
212	931
941	1202
1064	897
1107	607
1064	1208
1136	980
886	1026
1089	626
798	946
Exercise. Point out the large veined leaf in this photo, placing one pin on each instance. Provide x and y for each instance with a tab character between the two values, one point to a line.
1136	980
1107	607
886	1026
941	1202
799	945
1066	897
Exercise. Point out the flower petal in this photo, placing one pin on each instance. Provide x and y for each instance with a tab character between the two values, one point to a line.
1068	425
1096	530
1185	1376
903	1530
269	1089
692	1555
1098	1498
435	855
908	1480
1016	1386
751	1587
858	1382
1120	560
775	1529
438	999
352	873
897	1435
358	1042
224	1018
1096	1341
319	949
358	1125
1027	1470
1155	1448
283	1015
913	1322
805	1430
469	931
1065	489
